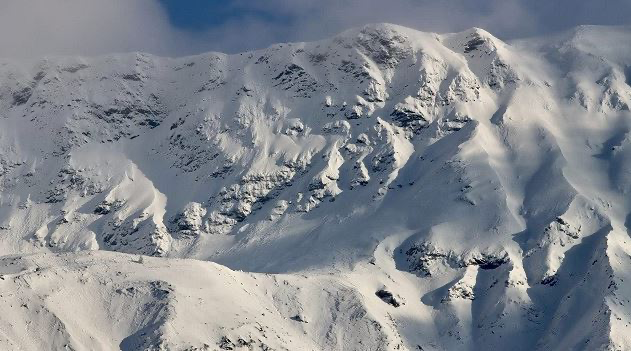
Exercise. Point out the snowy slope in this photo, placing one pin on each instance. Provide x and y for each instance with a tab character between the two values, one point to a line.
109	301
415	190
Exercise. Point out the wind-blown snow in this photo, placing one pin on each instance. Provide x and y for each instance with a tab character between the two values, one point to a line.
386	189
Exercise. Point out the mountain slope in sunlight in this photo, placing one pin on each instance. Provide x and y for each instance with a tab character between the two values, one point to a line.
387	188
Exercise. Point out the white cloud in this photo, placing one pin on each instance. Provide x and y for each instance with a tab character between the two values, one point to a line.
92	27
86	27
507	19
303	20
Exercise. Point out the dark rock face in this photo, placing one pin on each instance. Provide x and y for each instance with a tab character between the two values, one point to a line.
424	257
387	297
409	118
298	318
21	97
488	261
473	44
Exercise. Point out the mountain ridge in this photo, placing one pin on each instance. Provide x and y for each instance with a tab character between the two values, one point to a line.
464	192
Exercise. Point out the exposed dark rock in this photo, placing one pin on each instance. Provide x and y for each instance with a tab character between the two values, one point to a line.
226	344
550	280
387	297
409	118
473	44
488	261
298	318
21	97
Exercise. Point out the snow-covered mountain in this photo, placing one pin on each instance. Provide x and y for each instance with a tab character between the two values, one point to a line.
386	189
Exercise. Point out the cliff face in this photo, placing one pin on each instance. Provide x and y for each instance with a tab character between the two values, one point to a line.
466	192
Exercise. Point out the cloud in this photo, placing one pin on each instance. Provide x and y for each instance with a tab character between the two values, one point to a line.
298	20
33	28
93	27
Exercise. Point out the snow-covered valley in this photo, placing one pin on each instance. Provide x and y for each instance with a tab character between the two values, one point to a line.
386	189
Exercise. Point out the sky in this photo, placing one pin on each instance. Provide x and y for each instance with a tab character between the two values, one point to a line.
35	28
